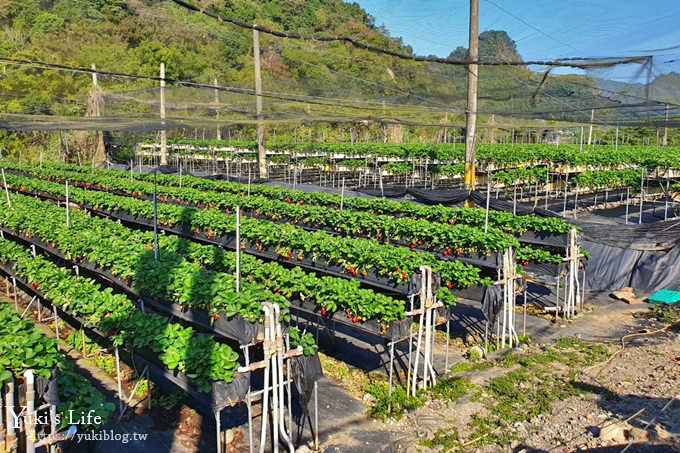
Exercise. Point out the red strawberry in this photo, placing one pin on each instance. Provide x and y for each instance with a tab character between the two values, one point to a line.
356	319
216	317
404	275
323	312
525	263
349	315
259	249
127	281
526	277
420	242
449	285
413	246
35	286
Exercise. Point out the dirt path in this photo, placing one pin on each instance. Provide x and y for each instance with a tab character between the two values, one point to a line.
582	400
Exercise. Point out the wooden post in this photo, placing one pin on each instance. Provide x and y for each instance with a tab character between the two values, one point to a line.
590	130
261	152
665	129
217	110
616	147
384	129
68	154
99	152
471	110
164	144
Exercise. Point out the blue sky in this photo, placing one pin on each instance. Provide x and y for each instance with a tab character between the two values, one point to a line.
543	29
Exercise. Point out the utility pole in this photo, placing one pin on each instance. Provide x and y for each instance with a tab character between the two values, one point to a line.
164	143
590	130
471	111
261	152
217	110
384	129
665	129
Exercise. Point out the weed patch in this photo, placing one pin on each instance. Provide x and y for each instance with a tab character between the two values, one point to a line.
468	367
394	405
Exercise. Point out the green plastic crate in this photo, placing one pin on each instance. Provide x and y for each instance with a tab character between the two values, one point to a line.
665	296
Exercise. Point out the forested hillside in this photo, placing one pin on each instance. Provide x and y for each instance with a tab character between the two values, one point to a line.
135	36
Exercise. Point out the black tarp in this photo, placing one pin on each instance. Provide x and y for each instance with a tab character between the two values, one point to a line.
388	192
657	270
306	371
227	394
429	196
48	389
656	236
492	302
500	205
613	268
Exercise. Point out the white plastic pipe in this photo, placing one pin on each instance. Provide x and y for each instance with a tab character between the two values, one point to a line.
9	406
68	208
238	248
4	181
266	308
282	380
30	410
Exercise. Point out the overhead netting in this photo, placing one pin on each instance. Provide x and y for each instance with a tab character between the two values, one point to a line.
327	77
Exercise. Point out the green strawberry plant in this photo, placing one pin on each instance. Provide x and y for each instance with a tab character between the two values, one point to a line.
177	276
356	255
116	316
306	340
23	347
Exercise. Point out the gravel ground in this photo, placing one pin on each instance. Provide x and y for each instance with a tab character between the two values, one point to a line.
644	377
627	393
616	402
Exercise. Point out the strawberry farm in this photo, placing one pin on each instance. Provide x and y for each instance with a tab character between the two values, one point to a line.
196	280
331	226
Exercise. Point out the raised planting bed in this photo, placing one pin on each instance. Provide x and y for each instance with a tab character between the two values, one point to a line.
113	316
354	254
97	242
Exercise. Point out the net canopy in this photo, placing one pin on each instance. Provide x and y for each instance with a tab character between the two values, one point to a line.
354	72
